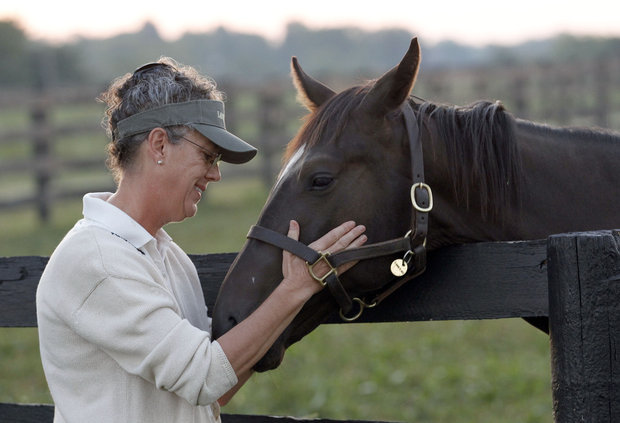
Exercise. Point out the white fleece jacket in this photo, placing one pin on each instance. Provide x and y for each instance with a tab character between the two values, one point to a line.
123	326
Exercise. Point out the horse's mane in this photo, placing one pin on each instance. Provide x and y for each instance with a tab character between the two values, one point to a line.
333	114
482	152
479	140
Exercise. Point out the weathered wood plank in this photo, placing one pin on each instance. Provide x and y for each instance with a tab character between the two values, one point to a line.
473	281
241	418
26	413
211	270
19	277
584	296
43	413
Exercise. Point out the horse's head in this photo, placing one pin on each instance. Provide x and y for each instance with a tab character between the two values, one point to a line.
349	161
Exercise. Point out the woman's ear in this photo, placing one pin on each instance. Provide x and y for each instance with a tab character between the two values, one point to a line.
157	145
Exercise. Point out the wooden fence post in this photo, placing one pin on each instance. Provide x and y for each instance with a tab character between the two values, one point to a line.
584	319
271	126
517	88
42	156
601	89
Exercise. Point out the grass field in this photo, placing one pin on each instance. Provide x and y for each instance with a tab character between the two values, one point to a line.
463	371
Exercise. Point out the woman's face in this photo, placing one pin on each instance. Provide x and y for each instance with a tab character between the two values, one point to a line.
191	168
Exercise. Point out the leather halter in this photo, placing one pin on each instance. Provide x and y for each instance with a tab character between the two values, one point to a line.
413	244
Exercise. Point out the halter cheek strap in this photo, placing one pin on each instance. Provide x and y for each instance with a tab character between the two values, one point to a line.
413	244
313	257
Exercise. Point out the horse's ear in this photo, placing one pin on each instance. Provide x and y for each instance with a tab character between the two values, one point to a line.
311	93
393	88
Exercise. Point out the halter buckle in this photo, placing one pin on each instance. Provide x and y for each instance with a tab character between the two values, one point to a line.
418	207
321	279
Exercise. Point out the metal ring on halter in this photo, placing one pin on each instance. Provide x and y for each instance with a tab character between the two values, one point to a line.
416	206
321	279
408	255
362	305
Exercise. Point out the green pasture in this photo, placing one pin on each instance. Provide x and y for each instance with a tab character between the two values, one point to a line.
463	371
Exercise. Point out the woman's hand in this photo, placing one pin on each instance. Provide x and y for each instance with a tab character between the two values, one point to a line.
247	342
295	270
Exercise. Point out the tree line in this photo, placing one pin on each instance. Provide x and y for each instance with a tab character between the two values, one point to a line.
251	58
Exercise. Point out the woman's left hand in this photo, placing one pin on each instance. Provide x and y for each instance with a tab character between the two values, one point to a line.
295	270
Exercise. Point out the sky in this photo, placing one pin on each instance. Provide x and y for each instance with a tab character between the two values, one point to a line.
474	22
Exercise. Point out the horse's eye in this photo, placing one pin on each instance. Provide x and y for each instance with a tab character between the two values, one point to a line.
321	181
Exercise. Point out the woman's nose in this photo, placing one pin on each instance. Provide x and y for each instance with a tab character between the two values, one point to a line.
213	173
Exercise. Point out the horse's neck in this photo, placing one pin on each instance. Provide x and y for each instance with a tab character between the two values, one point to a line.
571	180
570	183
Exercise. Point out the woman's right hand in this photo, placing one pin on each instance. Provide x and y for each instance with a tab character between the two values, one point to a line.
295	270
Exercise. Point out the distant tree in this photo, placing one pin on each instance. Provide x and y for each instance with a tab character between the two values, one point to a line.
569	48
226	55
503	56
14	69
344	50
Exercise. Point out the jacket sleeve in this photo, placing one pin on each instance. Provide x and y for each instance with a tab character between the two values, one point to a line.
138	324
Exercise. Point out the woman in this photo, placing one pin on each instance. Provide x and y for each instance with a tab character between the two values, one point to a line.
124	333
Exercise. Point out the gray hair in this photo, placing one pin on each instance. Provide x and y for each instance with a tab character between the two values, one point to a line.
153	85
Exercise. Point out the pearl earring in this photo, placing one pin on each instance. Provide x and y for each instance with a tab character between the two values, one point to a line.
160	162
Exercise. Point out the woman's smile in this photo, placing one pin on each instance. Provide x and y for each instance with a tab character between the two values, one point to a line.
200	190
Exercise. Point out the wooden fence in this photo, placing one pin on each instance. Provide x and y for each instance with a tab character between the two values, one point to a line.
574	279
583	93
266	115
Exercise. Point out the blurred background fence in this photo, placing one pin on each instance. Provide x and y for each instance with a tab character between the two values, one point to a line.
58	150
52	146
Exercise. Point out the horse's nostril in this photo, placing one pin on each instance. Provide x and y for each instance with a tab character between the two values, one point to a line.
232	321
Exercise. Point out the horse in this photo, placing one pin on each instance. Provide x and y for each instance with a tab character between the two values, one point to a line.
479	174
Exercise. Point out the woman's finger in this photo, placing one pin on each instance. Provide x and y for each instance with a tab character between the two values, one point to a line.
293	230
332	236
357	242
347	239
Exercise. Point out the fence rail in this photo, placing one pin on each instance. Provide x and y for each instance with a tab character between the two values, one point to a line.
574	279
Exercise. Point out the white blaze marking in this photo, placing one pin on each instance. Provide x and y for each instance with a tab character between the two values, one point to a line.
289	165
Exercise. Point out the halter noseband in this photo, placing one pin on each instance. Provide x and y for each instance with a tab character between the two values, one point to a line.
413	244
